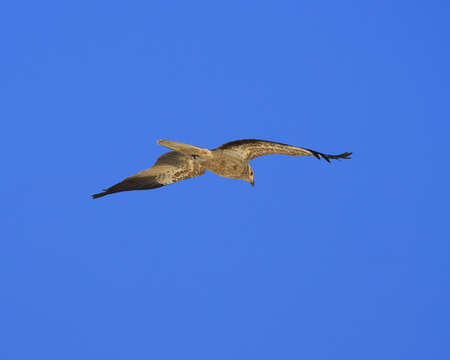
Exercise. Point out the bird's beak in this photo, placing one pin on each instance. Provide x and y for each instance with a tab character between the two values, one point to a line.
252	182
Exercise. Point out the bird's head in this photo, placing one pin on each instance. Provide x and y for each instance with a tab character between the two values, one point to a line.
250	176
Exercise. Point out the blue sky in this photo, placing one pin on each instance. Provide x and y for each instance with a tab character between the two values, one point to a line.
348	260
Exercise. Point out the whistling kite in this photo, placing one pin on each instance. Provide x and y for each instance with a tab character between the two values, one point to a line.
228	160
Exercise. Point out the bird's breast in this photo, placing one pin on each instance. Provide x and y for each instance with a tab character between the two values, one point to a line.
226	166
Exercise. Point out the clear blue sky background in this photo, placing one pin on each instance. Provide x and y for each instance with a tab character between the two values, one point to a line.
348	260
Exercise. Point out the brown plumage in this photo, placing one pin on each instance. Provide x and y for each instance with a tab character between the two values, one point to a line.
169	168
228	160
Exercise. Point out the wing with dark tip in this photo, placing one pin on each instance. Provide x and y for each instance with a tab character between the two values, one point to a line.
249	149
168	169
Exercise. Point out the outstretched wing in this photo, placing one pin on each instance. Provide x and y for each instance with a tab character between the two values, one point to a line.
249	149
168	169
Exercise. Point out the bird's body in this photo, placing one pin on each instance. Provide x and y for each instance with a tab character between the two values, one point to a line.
229	160
226	165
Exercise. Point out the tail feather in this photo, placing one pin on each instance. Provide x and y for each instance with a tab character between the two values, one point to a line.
186	149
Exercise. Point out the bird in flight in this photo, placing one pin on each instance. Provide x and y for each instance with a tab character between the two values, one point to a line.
229	160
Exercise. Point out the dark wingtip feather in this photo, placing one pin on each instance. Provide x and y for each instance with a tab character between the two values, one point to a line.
328	157
96	196
345	155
